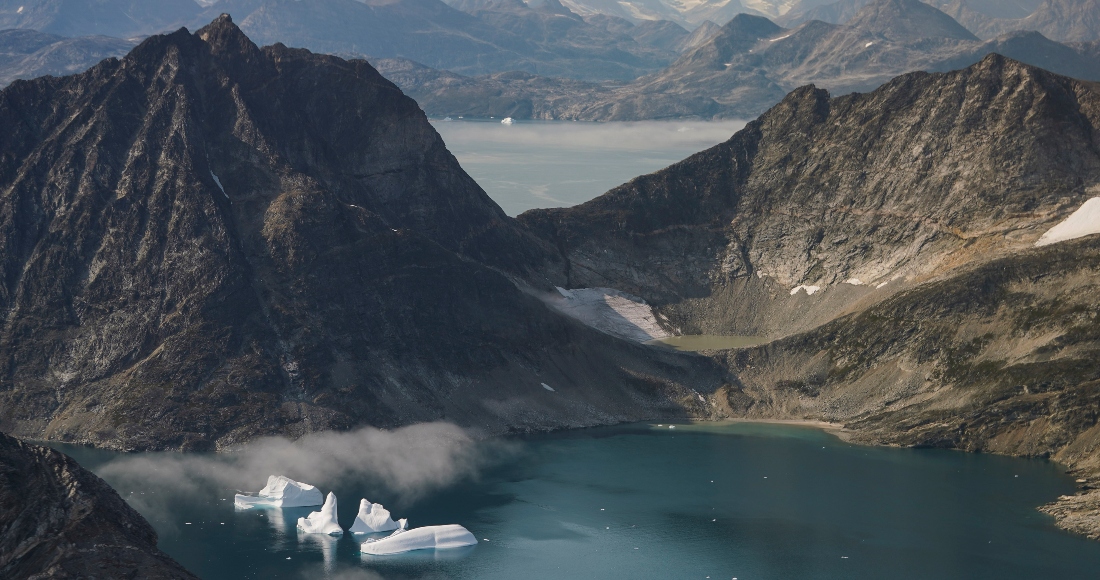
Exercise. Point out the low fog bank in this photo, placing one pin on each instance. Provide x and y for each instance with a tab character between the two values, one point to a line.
403	464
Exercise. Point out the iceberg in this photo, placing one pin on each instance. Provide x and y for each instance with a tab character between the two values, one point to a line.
324	521
375	518
507	121
281	491
425	538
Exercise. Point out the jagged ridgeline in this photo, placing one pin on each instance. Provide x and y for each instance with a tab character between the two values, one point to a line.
206	241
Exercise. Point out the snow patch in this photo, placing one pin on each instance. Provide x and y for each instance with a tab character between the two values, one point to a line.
548	387
219	183
780	38
868	45
611	311
20	11
1083	222
810	290
881	285
854	281
324	521
374	518
425	538
281	491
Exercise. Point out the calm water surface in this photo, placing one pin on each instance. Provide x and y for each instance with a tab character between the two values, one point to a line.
746	501
535	164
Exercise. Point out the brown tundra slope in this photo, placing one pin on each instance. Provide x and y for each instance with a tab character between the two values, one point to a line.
884	246
206	241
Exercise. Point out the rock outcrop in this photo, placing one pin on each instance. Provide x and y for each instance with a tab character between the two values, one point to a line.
58	520
206	241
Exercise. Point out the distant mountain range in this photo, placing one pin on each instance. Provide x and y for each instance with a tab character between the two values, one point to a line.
27	54
749	65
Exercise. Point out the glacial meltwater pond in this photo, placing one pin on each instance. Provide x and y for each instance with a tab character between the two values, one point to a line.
720	500
538	164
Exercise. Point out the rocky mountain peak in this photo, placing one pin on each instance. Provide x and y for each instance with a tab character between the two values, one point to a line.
907	20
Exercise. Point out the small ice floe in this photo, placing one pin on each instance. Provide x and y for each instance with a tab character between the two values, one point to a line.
672	426
448	119
324	521
281	491
507	121
810	290
1083	222
425	538
374	518
854	281
548	387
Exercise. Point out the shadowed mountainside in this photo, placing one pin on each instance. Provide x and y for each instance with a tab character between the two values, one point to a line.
207	241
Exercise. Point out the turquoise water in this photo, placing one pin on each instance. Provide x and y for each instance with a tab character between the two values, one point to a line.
537	164
746	501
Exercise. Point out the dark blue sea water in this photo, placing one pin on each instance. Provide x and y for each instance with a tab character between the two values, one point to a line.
745	501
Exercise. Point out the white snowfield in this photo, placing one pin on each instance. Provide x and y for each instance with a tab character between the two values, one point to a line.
425	538
611	311
810	290
281	491
324	521
375	518
1083	222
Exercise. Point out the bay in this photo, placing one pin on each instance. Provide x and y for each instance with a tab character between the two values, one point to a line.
718	500
541	164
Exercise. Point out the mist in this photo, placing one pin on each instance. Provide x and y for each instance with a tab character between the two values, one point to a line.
402	465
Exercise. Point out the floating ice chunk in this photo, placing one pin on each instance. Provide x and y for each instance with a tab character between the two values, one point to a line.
1083	222
548	387
281	491
425	538
854	281
324	521
810	290
374	518
507	121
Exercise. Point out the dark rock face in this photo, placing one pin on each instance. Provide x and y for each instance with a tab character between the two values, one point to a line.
58	520
206	241
28	54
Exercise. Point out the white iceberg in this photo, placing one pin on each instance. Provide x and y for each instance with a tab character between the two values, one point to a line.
324	521
1083	222
281	491
374	518
425	538
507	121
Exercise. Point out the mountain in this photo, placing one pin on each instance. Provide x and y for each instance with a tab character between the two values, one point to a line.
1066	20
119	18
206	241
885	243
703	33
61	521
26	54
907	20
749	65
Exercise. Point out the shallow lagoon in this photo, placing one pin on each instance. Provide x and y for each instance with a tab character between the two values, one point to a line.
722	500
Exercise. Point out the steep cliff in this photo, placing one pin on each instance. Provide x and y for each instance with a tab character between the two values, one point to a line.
206	241
58	520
